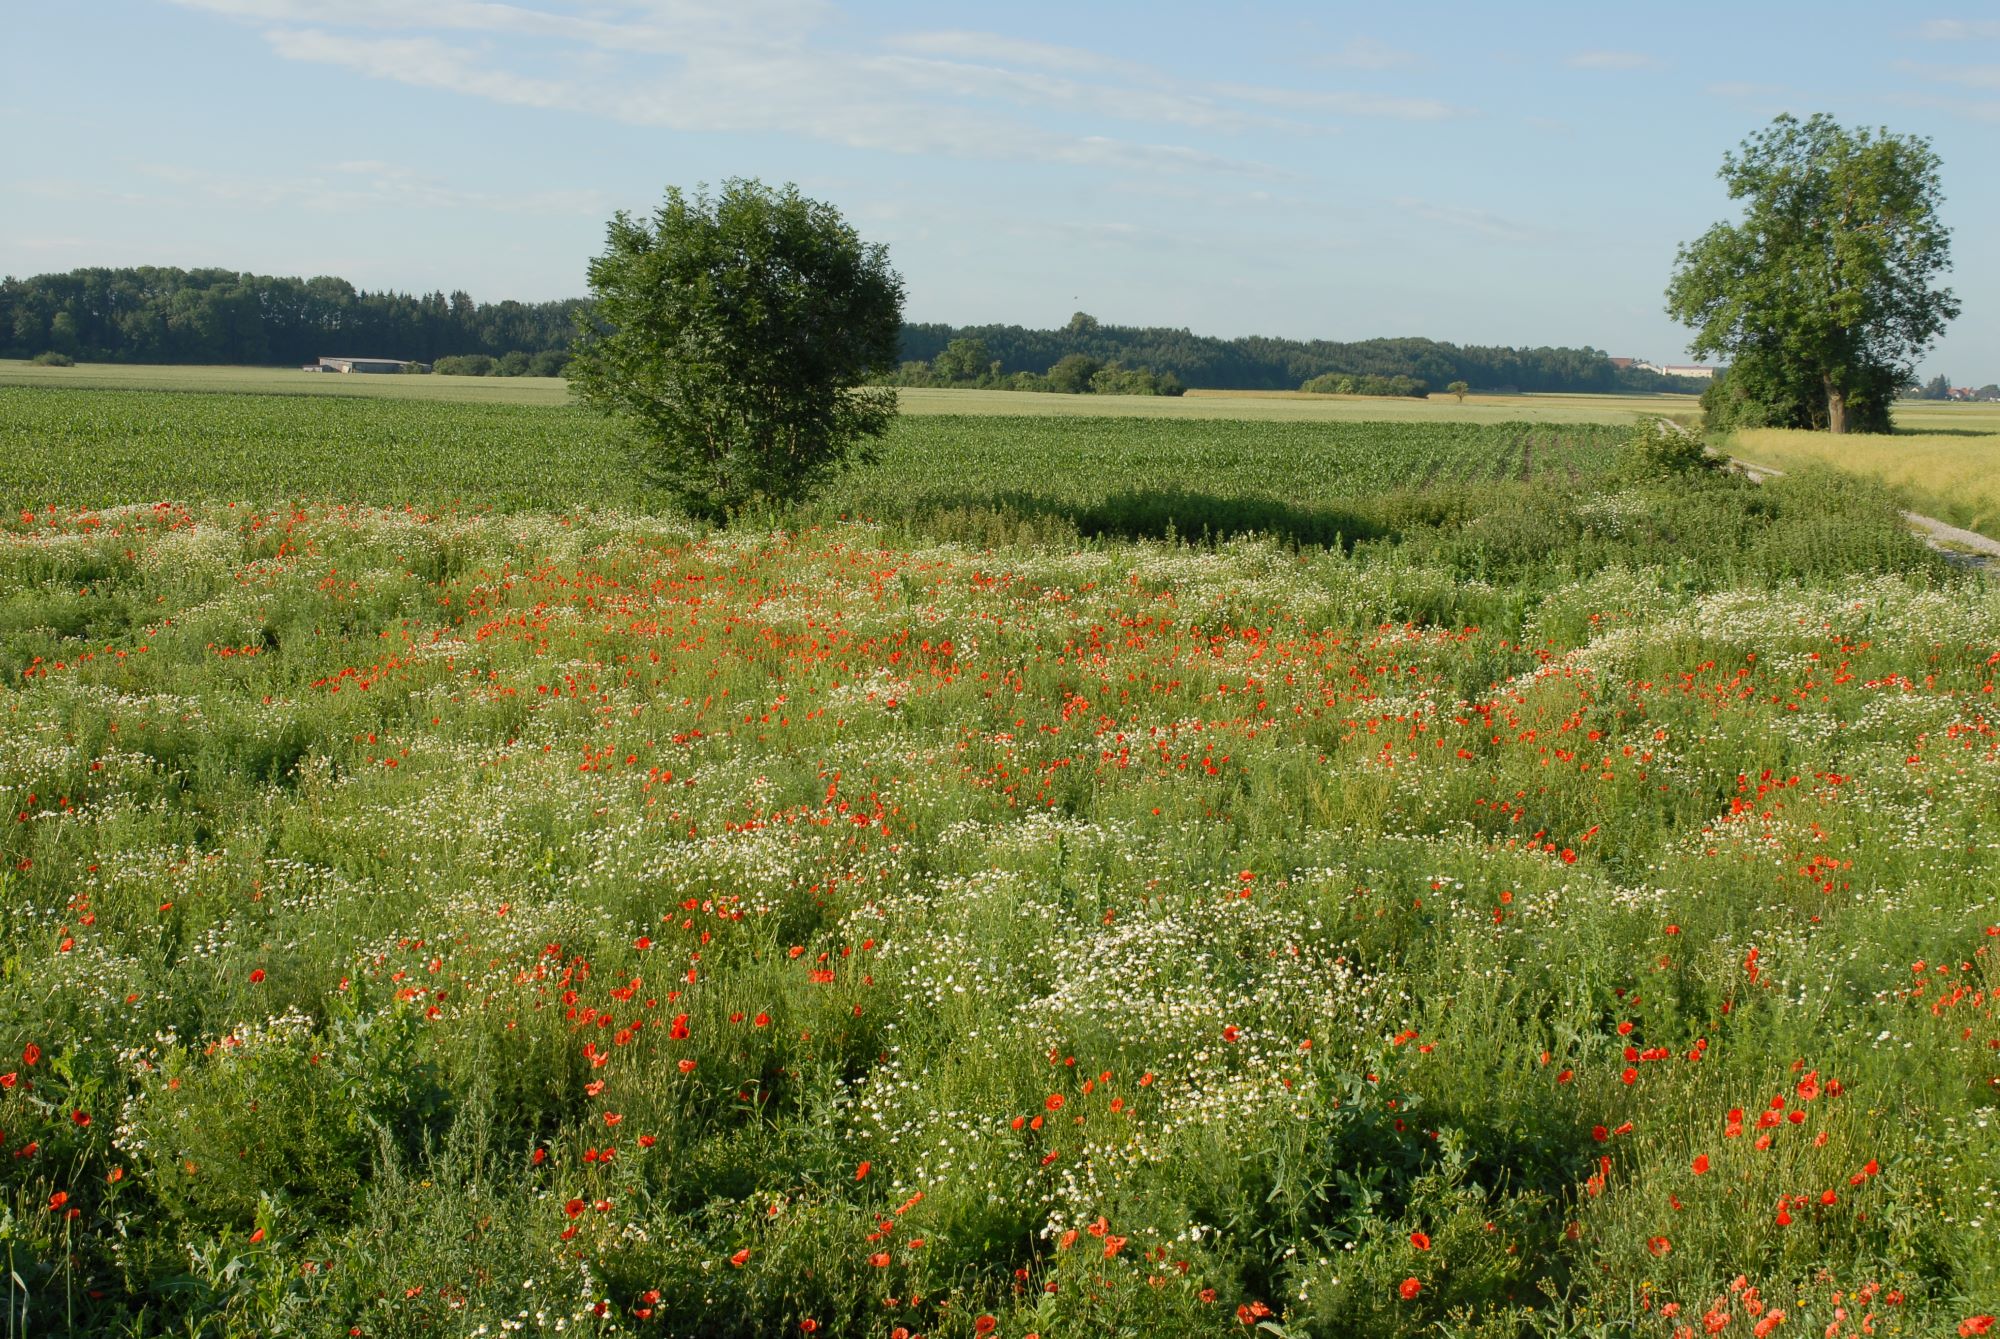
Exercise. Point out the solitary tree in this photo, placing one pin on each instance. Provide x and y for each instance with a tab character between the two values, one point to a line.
732	335
1822	298
1459	390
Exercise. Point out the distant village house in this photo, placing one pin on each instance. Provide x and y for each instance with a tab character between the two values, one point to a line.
1699	371
362	365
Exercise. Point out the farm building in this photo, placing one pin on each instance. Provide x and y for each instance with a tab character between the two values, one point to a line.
364	365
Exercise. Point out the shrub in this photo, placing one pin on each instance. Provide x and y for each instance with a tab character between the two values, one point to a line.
53	359
1658	447
465	365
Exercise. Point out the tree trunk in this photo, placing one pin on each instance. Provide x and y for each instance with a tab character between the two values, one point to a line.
1836	406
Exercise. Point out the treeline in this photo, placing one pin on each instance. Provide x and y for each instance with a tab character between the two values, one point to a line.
1346	383
154	314
969	363
1262	363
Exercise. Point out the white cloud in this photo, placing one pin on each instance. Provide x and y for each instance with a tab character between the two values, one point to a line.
1611	60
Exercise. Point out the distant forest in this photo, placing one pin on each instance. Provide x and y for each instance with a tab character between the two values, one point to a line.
163	315
1261	363
159	315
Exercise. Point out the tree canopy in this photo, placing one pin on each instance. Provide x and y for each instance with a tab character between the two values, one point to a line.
732	335
159	314
1822	297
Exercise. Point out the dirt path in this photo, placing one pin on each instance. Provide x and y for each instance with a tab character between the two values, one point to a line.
1966	547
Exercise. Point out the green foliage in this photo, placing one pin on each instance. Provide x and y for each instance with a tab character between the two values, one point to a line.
1073	374
963	360
1822	298
1774	392
1658	447
1258	362
160	314
50	358
731	336
465	365
965	363
282	1112
1458	390
1341	384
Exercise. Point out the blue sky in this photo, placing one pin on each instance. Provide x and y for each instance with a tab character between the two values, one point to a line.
1471	172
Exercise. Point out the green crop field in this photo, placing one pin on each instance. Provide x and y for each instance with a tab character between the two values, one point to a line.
1088	876
548	391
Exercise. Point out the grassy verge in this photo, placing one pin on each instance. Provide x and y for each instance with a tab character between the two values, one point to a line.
1953	477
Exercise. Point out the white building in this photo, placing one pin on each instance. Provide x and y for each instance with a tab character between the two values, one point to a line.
363	364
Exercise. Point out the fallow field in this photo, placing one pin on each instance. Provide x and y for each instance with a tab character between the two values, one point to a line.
1087	877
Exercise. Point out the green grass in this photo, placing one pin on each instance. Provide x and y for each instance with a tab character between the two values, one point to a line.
440	892
1951	475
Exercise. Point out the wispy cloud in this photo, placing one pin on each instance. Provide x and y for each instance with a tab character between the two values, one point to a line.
1366	53
992	48
1971	109
1959	30
422	61
1465	219
788	67
329	188
1746	91
1343	102
1612	60
1965	76
657	26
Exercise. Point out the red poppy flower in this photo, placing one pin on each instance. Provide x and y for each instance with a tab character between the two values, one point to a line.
741	1258
1420	1240
1701	1164
1659	1245
1408	1289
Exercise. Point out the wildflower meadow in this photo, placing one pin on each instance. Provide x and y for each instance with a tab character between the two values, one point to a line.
1469	897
